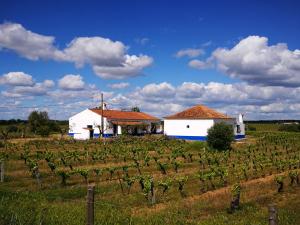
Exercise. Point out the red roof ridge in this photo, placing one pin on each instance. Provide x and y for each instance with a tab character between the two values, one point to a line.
124	115
198	112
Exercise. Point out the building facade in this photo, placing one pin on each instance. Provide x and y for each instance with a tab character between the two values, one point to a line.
87	124
193	123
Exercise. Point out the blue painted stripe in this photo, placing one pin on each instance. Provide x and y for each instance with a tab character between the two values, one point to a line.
199	138
105	135
194	138
240	136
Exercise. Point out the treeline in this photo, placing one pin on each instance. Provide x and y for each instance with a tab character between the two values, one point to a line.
270	121
289	127
38	123
19	121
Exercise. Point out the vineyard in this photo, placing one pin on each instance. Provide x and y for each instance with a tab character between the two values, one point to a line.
150	180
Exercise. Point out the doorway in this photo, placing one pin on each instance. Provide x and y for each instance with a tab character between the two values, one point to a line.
91	130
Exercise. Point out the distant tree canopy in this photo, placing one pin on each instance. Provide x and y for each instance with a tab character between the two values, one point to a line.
220	136
39	123
135	109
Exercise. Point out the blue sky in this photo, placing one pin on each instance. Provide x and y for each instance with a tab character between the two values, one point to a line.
163	56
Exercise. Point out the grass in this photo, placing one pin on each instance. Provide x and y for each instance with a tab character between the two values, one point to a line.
22	202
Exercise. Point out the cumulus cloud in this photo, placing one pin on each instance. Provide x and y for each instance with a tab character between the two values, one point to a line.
119	85
189	52
161	99
257	102
255	61
16	79
132	66
38	89
200	65
95	51
30	45
109	59
161	90
71	82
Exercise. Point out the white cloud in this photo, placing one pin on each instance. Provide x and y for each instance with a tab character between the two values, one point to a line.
109	59
49	83
255	101
119	85
16	79
161	90
71	82
189	52
200	65
95	51
161	99
254	61
38	89
30	45
132	66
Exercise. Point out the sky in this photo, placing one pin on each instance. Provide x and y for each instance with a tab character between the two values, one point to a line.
162	56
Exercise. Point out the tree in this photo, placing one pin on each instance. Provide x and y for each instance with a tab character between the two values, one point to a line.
220	136
135	109
39	123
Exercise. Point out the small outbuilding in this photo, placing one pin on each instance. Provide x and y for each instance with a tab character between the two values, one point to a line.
87	124
193	123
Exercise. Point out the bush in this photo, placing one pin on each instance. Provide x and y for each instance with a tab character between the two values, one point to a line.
44	130
220	136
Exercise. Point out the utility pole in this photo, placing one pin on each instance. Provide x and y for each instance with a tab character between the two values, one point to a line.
102	120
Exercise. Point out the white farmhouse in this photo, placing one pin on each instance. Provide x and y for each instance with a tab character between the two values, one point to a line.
193	123
87	124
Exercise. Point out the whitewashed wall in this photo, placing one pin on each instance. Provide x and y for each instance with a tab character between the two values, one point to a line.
82	120
179	127
198	128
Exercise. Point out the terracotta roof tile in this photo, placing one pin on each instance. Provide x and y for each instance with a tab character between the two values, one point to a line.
198	112
124	115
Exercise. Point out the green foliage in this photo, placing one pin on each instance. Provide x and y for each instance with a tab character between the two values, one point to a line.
37	119
236	189
64	176
289	127
135	109
182	180
165	184
220	136
39	123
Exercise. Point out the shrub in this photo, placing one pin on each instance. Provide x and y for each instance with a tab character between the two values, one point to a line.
43	130
220	136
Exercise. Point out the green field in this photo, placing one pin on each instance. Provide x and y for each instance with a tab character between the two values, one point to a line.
191	184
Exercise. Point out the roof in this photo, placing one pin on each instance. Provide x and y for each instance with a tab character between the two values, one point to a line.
198	112
124	115
129	123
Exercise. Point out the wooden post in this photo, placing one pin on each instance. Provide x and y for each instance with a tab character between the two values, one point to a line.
38	177
90	205
2	171
272	215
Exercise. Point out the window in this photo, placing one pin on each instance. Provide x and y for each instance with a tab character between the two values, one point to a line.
187	126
